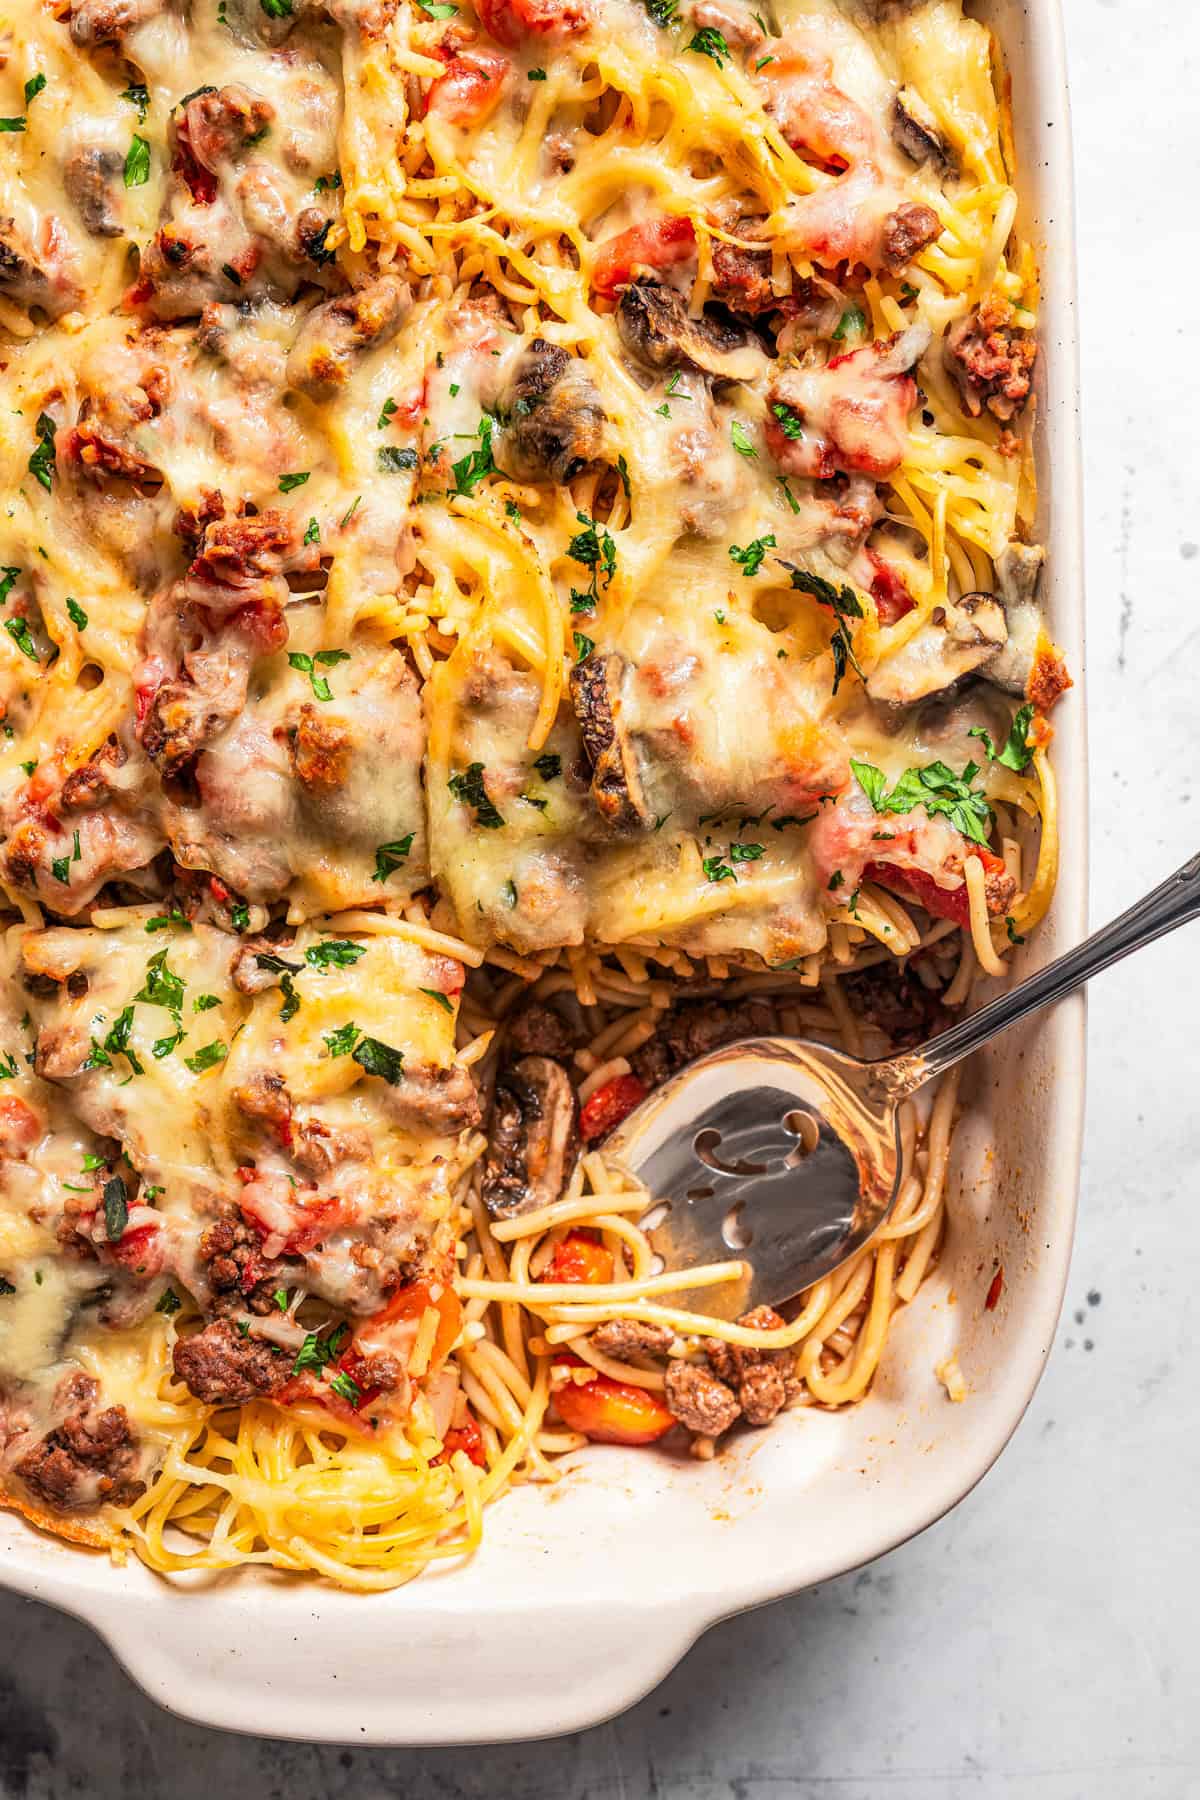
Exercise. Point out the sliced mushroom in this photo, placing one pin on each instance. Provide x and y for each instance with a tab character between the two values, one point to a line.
92	179
657	329
534	1137
616	787
1018	571
554	420
915	130
956	640
336	334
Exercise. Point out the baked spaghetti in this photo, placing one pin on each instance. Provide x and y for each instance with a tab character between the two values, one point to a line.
516	570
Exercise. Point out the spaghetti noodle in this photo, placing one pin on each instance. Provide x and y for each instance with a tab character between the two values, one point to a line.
516	572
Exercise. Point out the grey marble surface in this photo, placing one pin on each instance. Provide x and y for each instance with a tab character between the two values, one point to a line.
1041	1641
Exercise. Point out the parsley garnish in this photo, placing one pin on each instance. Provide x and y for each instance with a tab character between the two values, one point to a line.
595	549
937	788
583	646
393	460
845	604
790	423
298	659
33	87
548	765
536	75
316	1351
341	1382
137	163
708	41
390	857
41	463
1016	753
207	1057
162	986
470	470
76	614
205	1002
343	1040
662	11
239	915
168	1301
138	95
17	124
313	534
295	480
388	408
161	921
469	788
741	439
1014	936
117	1040
750	559
439	998
853	320
788	495
8	575
378	1058
337	953
718	869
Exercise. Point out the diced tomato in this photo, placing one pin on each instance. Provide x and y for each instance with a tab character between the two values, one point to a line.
20	1128
656	244
141	1249
511	20
939	902
612	1412
611	1103
580	1257
200	182
408	1304
995	1290
892	599
471	87
466	1437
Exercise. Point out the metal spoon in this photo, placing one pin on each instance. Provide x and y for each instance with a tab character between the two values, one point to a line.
787	1153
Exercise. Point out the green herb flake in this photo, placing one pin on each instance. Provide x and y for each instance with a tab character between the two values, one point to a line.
168	1302
583	646
740	439
470	470
548	765
469	788
137	162
137	94
33	87
853	323
294	480
1015	753
750	559
535	75
378	1058
313	533
709	42
343	1040
207	1057
76	614
390	857
41	463
439	999
937	788
205	1002
790	422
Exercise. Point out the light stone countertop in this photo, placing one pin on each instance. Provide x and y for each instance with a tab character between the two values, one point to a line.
1042	1640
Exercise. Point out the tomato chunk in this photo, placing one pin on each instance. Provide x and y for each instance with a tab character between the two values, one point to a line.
579	1257
655	244
939	902
466	1437
613	1412
610	1104
470	88
892	599
511	20
20	1127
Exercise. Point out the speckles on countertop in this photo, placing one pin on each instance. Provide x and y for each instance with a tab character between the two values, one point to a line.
1038	1643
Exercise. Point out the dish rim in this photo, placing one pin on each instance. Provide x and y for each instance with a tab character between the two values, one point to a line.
641	1636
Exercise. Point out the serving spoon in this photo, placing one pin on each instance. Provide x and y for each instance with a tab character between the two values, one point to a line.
786	1153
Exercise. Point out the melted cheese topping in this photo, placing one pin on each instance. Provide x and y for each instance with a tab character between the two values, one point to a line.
476	481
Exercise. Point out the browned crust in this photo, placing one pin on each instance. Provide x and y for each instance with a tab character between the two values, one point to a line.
91	1533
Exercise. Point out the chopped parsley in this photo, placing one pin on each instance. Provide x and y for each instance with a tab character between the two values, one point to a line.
298	659
138	95
439	999
790	422
378	1058
1014	936
719	868
207	1057
343	1040
390	857
239	915
341	1382
41	462
662	11
623	472
469	788
708	41
386	411
33	87
295	480
205	1002
76	614
313	533
6	1286
162	986
1015	753
536	75
161	921
168	1301
845	604
593	547
548	766
8	1066
583	646
740	439
337	953
470	470
392	460
750	559
937	788
853	323
18	630
8	575
137	162
117	1040
316	1351
17	124
438	9
788	495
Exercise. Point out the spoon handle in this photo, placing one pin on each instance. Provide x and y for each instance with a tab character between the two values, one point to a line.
1172	903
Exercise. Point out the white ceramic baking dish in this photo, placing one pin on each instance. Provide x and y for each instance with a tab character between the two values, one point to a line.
584	1596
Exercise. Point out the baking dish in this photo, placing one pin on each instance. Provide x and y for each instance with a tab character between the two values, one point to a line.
613	1573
